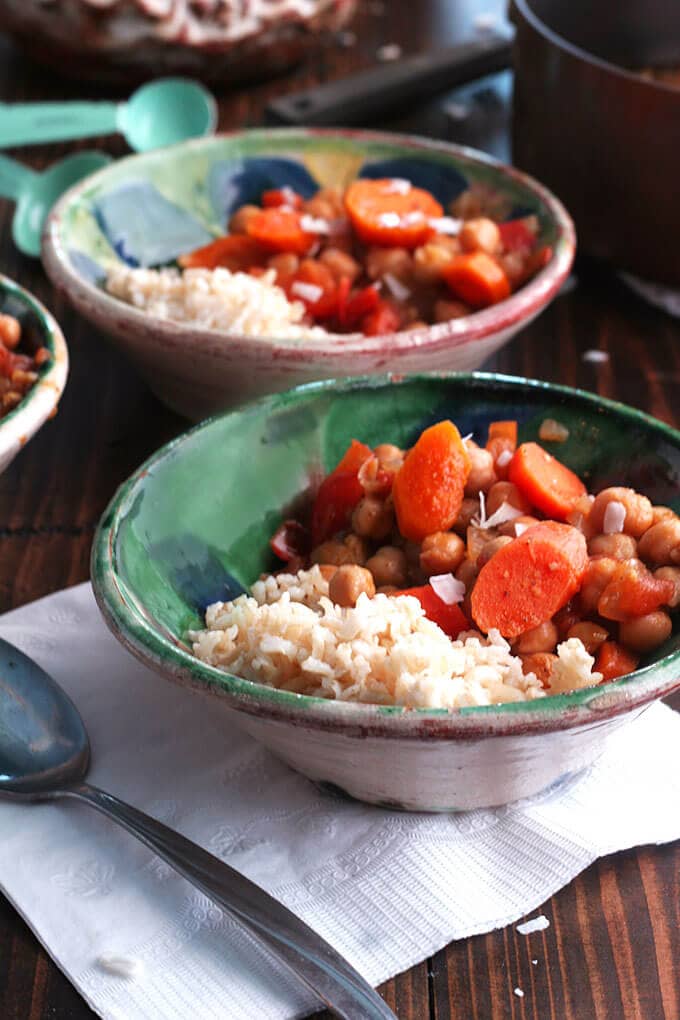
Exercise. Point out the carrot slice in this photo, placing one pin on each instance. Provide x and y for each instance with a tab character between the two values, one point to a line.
282	196
613	660
527	581
279	229
235	252
321	301
385	215
477	279
545	481
380	321
450	618
506	430
428	488
339	493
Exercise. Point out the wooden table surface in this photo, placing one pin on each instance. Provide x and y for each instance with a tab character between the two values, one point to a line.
613	946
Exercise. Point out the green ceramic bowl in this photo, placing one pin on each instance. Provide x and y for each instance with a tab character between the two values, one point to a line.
41	329
147	209
192	526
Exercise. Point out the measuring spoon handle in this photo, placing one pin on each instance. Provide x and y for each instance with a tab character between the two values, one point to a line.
13	177
31	123
304	952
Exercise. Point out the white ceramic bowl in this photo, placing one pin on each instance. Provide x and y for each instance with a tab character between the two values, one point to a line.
17	427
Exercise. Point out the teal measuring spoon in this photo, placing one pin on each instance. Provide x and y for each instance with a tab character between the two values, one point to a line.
35	193
160	113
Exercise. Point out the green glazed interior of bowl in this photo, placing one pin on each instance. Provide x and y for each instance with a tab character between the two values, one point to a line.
193	525
147	209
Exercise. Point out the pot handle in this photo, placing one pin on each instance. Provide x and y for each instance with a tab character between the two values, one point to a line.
368	94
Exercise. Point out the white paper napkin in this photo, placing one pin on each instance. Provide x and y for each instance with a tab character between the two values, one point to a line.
387	889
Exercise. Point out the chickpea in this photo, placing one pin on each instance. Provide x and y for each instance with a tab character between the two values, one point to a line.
599	573
591	635
482	474
372	518
10	331
506	492
541	638
396	261
565	619
390	457
441	553
661	513
480	235
643	633
386	589
489	549
514	265
352	550
618	546
445	310
540	663
340	264
327	204
515	527
660	544
467	573
638	508
671	574
348	583
418	324
388	566
285	264
469	508
430	260
238	224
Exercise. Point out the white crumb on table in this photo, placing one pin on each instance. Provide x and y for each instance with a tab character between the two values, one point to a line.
534	962
519	993
391	51
539	923
119	966
596	357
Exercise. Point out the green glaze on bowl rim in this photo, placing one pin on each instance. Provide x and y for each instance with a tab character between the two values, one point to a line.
163	652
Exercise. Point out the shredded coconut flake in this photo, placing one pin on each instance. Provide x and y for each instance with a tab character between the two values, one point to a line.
448	588
539	923
614	518
520	529
552	431
307	291
446	225
389	219
504	458
314	224
396	288
397	186
505	513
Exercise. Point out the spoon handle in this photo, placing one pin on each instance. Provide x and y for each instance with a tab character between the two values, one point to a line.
30	123
13	177
304	952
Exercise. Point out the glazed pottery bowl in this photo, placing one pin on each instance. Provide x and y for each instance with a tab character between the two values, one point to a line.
192	526
147	209
39	329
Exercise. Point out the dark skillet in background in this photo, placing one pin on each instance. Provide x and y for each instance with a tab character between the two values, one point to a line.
605	140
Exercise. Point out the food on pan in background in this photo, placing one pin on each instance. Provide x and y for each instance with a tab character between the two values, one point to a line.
19	367
382	257
454	574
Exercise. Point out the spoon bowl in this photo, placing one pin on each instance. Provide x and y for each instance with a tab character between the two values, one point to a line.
43	743
166	112
39	192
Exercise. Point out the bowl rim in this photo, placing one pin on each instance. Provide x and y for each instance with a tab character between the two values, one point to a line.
24	420
165	654
506	314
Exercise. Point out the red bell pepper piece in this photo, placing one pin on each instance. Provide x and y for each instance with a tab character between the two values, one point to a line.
450	618
358	305
516	235
383	320
316	274
338	494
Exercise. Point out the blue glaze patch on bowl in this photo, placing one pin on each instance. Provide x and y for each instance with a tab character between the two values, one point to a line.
241	182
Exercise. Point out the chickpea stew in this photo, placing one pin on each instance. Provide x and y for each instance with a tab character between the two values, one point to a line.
383	256
20	362
495	538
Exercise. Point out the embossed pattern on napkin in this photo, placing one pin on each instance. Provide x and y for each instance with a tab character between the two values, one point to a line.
387	889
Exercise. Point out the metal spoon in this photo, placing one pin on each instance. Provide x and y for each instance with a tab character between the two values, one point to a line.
45	754
35	193
160	113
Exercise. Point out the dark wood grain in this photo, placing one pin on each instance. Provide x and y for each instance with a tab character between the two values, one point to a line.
613	946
